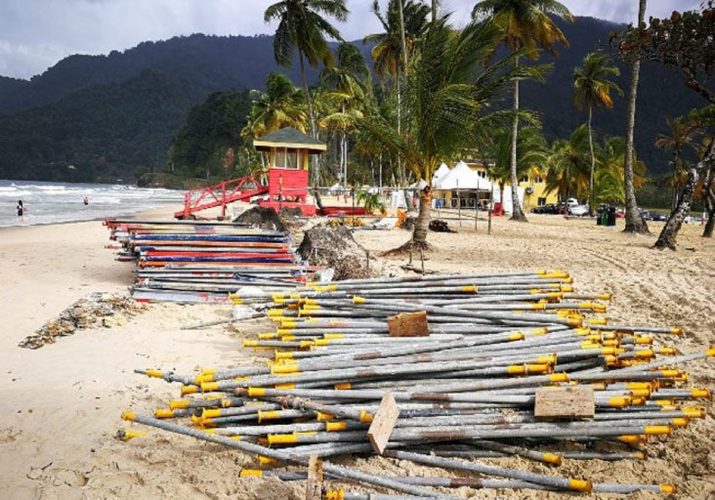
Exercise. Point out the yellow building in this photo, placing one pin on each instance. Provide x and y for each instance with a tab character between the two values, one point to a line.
535	194
534	185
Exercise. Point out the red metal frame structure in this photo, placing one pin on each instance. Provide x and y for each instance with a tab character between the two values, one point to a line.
220	195
286	187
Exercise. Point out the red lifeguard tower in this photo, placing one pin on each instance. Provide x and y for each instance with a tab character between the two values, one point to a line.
289	152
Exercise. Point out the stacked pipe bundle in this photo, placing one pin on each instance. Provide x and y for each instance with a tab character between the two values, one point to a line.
191	261
465	391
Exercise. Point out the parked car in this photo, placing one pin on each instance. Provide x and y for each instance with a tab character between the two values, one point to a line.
658	217
578	210
544	209
574	208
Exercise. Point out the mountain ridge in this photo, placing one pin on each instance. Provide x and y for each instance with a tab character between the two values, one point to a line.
58	117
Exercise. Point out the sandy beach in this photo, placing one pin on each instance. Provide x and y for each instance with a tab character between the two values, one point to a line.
61	403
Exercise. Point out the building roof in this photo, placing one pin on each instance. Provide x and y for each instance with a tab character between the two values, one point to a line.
289	138
440	172
462	177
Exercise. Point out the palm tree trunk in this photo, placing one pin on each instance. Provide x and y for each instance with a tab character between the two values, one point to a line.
435	6
634	221
398	92
676	161
311	116
402	33
675	221
345	153
592	197
517	213
403	179
419	236
709	197
710	224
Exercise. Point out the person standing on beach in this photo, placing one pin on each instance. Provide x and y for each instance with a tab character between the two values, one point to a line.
20	210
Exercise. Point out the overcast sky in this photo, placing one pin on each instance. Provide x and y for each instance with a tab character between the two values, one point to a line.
35	34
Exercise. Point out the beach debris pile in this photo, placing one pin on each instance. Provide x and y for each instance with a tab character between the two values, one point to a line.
97	310
262	217
512	365
440	226
333	246
191	261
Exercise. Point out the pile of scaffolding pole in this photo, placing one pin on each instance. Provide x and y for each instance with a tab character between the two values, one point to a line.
465	392
191	261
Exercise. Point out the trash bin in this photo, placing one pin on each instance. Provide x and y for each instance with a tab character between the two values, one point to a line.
611	216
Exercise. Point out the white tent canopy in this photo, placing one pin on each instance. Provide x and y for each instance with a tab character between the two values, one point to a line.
439	173
462	177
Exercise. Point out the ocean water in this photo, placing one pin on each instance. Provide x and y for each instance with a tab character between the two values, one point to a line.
53	202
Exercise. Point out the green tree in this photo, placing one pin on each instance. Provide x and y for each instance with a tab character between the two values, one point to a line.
347	84
404	23
593	90
686	42
303	29
609	185
526	26
448	103
281	105
568	165
635	223
531	154
683	133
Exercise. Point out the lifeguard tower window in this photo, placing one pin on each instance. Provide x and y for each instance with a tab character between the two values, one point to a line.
541	202
286	159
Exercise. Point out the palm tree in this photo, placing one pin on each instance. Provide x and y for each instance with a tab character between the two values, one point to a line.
403	23
683	132
348	83
532	153
568	165
635	223
609	185
302	28
281	105
435	9
526	26
447	102
593	90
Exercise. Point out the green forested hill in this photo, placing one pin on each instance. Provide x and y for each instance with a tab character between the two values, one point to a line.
103	133
114	116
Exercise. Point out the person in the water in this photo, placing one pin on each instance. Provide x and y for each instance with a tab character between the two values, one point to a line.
20	210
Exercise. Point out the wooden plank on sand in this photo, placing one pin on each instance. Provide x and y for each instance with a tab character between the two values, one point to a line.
314	485
408	325
383	423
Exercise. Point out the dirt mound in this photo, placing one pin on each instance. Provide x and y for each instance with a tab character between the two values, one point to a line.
265	218
334	246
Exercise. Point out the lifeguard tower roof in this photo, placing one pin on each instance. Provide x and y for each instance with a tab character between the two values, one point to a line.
289	138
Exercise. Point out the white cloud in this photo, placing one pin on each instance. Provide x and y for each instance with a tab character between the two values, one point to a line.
34	34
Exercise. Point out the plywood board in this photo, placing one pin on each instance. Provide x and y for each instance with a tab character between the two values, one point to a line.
383	423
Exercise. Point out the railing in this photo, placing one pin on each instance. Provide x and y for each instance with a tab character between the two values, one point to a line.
221	194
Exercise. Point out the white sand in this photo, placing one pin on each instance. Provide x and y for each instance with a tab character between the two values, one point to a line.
61	403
